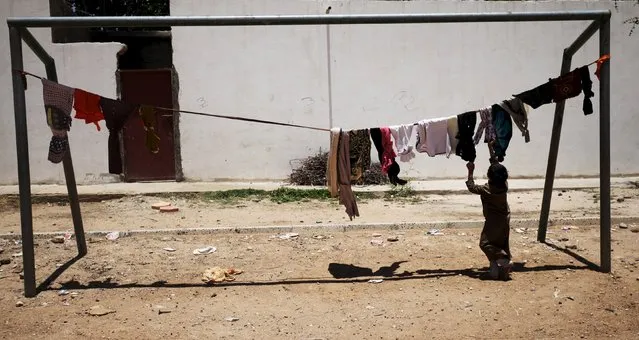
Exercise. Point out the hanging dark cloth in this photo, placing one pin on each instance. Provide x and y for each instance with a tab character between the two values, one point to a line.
393	169
116	114
538	96
466	146
566	86
503	131
561	88
571	84
586	85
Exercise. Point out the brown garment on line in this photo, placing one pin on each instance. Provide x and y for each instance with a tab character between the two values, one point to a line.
494	240
346	196
152	140
331	168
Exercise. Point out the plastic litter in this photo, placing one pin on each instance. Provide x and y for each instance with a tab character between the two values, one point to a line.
205	250
377	242
288	236
434	232
112	236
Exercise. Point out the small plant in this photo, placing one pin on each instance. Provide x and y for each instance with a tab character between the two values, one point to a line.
405	191
286	195
280	195
233	196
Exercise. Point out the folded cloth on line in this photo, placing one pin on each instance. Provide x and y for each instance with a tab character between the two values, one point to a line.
432	136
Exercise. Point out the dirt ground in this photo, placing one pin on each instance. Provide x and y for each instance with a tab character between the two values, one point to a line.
134	212
316	285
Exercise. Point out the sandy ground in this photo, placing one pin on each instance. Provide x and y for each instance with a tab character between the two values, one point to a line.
135	213
316	286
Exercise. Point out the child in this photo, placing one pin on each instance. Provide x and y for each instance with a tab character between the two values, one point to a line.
494	236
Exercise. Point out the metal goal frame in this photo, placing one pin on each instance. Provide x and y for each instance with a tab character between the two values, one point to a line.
19	32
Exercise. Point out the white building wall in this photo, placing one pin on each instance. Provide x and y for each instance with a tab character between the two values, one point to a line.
382	75
389	74
88	66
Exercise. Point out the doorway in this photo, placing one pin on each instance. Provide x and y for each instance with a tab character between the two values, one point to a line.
150	87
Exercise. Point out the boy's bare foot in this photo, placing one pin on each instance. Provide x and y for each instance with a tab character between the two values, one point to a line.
504	266
493	272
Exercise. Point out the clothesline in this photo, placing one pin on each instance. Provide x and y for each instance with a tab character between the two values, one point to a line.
599	61
443	136
252	120
260	121
439	136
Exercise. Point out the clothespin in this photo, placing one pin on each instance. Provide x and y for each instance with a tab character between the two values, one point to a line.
23	77
24	80
600	62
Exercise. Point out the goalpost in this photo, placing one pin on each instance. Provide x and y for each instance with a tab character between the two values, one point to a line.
19	32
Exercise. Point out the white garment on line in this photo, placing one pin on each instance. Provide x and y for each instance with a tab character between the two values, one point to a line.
402	135
453	129
432	136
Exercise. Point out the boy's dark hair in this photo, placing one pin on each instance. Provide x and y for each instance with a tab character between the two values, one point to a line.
497	175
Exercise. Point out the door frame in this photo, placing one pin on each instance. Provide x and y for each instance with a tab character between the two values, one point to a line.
179	174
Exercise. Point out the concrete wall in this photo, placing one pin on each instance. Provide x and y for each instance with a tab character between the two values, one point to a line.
385	75
382	75
88	66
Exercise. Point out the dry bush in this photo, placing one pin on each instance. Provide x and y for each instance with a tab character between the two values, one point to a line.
312	171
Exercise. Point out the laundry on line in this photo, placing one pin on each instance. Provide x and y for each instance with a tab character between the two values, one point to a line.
433	136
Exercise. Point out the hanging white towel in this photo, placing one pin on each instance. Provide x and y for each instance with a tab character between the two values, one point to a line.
402	135
432	137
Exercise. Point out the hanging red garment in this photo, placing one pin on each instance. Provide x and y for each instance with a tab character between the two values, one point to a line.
600	62
87	107
388	157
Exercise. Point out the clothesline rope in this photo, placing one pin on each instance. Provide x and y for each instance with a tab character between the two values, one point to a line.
252	120
599	61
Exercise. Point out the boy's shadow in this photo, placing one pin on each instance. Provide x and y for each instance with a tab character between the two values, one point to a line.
347	271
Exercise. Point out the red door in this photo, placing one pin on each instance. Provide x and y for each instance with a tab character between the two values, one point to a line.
150	87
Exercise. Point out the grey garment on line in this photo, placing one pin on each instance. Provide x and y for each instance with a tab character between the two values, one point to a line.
517	111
